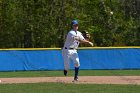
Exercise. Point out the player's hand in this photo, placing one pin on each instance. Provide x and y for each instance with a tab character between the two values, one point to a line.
90	43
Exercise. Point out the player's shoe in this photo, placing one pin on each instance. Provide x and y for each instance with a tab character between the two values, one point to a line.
76	78
65	72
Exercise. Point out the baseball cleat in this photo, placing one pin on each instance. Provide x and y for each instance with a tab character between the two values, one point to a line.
65	72
75	78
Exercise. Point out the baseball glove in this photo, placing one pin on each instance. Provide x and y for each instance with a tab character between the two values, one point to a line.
86	35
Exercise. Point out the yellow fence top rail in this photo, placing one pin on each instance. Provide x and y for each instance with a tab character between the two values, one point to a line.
125	47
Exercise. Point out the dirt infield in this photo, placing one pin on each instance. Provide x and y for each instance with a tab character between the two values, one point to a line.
82	80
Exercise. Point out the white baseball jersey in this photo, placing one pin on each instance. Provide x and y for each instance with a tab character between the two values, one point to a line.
69	50
70	40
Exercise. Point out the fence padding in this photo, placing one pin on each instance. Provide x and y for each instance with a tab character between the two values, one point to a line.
110	58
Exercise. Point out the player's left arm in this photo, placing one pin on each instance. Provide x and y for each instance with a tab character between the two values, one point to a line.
86	41
83	40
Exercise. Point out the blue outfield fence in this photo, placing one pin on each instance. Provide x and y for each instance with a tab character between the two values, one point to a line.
51	59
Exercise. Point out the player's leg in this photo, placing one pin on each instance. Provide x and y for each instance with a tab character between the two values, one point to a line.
66	58
75	58
66	65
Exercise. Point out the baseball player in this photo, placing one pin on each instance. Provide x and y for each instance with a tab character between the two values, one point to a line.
69	51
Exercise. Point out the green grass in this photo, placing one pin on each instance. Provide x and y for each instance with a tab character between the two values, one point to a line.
67	88
71	73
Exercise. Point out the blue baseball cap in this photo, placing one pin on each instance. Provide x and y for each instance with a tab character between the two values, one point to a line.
74	22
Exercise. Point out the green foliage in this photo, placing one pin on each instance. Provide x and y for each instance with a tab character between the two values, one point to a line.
45	23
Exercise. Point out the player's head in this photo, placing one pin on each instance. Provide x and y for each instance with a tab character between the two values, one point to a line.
74	22
75	25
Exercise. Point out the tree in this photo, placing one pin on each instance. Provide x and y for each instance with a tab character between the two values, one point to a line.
45	23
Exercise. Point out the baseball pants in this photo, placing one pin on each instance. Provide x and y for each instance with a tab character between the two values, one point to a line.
70	54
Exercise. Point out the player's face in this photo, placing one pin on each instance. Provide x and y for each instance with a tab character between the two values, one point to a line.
75	27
